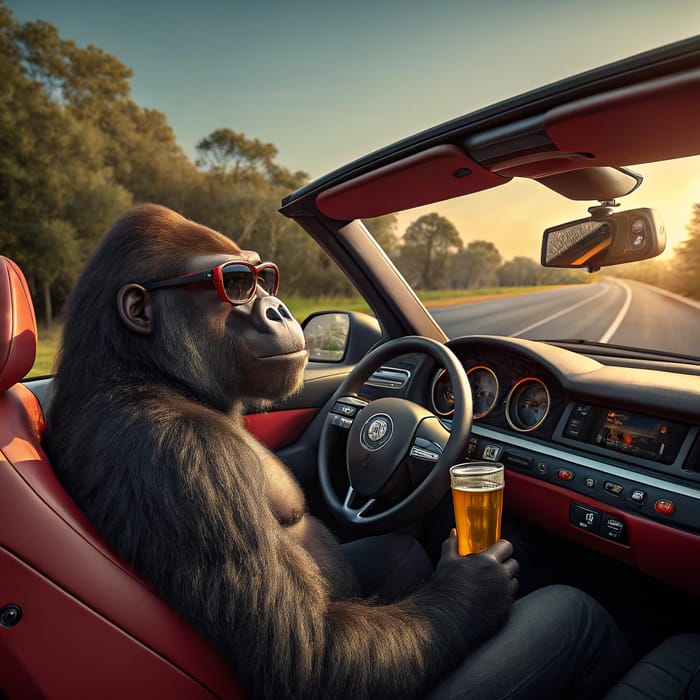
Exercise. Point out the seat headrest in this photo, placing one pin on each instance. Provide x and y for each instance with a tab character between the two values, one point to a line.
17	325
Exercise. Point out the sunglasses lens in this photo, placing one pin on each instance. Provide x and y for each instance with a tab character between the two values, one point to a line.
239	283
267	279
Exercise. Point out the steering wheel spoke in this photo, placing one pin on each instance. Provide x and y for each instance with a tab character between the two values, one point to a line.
356	505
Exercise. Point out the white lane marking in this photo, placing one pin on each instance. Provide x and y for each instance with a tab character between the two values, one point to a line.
560	313
621	315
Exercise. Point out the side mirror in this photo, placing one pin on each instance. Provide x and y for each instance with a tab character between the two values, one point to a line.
327	336
340	336
604	238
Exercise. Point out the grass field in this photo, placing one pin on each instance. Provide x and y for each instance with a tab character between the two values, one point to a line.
46	349
302	307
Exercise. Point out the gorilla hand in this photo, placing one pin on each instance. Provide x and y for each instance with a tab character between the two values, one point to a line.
500	552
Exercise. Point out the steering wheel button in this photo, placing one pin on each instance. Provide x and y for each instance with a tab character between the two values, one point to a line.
341	421
565	474
664	507
344	409
422	453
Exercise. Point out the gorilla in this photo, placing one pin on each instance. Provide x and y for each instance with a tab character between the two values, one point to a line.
171	333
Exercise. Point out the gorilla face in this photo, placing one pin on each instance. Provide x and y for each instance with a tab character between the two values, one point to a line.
253	352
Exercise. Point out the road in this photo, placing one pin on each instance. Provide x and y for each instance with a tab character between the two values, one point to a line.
621	312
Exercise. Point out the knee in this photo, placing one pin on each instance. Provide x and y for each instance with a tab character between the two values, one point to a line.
569	607
578	616
567	599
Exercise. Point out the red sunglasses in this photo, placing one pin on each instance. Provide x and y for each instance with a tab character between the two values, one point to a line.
234	281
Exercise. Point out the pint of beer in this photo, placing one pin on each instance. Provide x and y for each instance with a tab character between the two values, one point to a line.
477	495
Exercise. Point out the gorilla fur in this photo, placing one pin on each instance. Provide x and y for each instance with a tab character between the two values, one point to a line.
146	434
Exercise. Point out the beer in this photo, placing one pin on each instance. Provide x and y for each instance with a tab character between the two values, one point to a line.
477	496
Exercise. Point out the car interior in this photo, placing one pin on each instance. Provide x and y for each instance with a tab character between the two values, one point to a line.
601	444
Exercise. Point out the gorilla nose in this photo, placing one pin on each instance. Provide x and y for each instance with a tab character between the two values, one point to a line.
278	312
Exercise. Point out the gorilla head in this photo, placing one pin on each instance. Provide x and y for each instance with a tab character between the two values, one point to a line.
199	310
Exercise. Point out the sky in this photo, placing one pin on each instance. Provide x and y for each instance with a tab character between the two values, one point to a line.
328	82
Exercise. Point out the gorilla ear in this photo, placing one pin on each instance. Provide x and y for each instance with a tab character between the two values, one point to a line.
135	308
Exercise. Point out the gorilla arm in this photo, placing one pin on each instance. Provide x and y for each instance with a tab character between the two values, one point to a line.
199	526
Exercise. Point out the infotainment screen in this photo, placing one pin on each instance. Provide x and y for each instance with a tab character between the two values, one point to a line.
622	431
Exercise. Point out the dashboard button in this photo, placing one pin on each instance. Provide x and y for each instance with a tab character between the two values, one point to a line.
584	517
541	469
589	482
613	529
511	459
664	507
638	496
565	474
613	489
491	452
573	428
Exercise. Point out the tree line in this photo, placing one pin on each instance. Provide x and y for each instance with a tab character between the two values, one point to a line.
432	255
76	151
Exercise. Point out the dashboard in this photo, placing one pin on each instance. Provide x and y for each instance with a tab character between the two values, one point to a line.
605	455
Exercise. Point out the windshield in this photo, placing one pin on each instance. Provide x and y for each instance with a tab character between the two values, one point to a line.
474	261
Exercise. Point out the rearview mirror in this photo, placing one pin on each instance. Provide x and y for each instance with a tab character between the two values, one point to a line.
604	238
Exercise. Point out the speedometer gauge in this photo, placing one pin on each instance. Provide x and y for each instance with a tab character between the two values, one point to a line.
443	399
527	405
484	386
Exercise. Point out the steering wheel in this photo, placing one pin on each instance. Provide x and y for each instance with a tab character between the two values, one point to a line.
397	453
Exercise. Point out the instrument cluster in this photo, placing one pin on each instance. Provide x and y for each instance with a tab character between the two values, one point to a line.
525	399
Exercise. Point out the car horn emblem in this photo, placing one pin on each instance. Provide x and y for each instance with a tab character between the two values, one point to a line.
377	431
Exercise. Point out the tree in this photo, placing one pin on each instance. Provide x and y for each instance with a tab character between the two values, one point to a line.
57	254
226	151
75	151
519	272
383	230
477	266
553	275
428	244
686	259
242	201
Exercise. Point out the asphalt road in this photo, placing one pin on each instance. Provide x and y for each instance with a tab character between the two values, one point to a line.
620	312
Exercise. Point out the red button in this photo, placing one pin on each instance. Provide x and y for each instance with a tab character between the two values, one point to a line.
565	474
664	507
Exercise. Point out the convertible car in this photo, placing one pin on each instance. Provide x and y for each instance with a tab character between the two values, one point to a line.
588	393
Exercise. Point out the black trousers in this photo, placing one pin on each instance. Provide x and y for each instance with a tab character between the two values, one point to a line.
558	643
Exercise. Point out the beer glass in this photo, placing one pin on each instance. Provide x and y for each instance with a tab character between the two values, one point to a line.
477	495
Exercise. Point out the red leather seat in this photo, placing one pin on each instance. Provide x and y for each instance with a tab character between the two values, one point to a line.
75	621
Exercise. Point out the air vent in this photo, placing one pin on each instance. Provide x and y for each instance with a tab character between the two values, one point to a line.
389	378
